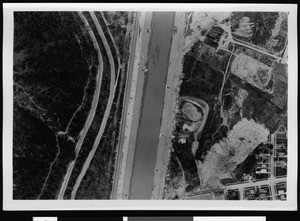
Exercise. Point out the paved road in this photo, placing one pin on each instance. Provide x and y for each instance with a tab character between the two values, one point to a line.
114	43
134	104
256	49
107	110
269	182
231	39
91	113
257	183
125	108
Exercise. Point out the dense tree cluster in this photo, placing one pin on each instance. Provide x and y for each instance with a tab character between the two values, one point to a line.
54	73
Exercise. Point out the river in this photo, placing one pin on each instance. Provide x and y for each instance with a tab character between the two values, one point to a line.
153	101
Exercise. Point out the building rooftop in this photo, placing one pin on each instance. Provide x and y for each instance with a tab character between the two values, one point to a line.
281	136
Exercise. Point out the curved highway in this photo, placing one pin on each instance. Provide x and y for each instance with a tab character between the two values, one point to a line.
92	110
107	110
114	44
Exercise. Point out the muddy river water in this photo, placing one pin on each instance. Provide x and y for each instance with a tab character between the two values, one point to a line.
153	101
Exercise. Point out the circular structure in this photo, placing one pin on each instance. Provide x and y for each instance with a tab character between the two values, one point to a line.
191	112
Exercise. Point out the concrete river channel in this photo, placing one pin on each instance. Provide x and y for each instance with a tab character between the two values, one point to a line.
152	105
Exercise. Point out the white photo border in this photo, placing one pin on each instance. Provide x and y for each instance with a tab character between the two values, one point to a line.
10	204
